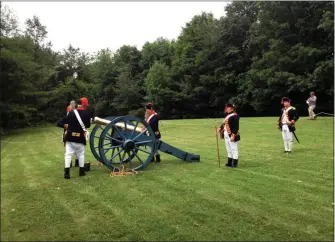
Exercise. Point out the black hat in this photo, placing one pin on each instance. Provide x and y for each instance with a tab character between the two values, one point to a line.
285	99
229	105
149	106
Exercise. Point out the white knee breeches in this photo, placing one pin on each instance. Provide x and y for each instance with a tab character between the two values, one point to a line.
72	148
231	147
287	138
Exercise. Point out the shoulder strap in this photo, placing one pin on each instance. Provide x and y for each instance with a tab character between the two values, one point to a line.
232	114
150	117
79	119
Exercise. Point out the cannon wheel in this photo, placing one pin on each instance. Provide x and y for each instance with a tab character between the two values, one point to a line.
129	149
94	141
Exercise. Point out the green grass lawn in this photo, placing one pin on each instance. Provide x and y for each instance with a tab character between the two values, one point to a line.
271	196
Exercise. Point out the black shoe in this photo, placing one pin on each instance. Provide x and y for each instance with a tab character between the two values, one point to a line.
153	159
67	173
76	164
230	160
285	151
234	163
158	158
82	171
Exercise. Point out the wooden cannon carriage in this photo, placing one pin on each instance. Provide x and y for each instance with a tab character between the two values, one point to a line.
129	141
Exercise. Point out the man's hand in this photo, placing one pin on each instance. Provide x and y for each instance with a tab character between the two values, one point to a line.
232	139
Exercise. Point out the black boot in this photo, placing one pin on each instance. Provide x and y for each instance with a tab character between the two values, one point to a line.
71	164
234	163
76	164
82	171
153	159
230	160
67	173
158	158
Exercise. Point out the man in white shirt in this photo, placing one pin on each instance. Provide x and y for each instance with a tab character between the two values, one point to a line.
311	101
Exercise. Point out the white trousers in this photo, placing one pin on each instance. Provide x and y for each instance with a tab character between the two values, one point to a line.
76	149
74	154
231	147
287	138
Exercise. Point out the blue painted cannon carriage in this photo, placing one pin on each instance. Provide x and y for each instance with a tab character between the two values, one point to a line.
129	141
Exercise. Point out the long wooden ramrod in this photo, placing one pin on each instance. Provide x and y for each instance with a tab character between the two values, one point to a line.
121	125
217	144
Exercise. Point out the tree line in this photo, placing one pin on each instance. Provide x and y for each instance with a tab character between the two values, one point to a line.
252	56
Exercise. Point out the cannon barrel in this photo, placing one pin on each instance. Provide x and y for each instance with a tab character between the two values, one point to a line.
105	122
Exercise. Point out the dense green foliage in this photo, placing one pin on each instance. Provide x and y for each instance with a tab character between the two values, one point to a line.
255	54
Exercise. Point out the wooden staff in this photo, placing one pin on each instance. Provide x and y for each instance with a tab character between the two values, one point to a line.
217	144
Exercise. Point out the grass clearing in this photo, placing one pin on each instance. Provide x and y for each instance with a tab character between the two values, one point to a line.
271	196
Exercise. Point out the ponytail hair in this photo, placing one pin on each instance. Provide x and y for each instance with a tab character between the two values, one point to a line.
73	104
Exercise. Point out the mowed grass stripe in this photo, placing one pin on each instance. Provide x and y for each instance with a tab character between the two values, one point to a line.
261	200
209	202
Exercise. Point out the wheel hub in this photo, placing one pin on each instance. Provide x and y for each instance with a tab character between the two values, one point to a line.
128	145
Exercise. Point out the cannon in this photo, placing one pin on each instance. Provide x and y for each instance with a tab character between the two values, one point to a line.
129	141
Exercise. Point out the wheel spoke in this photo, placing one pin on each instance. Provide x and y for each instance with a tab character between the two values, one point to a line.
107	144
132	133
118	153
143	151
130	161
111	138
102	145
124	154
143	142
138	158
140	134
125	125
117	130
101	128
112	147
113	152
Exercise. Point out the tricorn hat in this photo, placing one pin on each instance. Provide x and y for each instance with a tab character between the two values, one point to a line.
285	99
229	105
149	106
